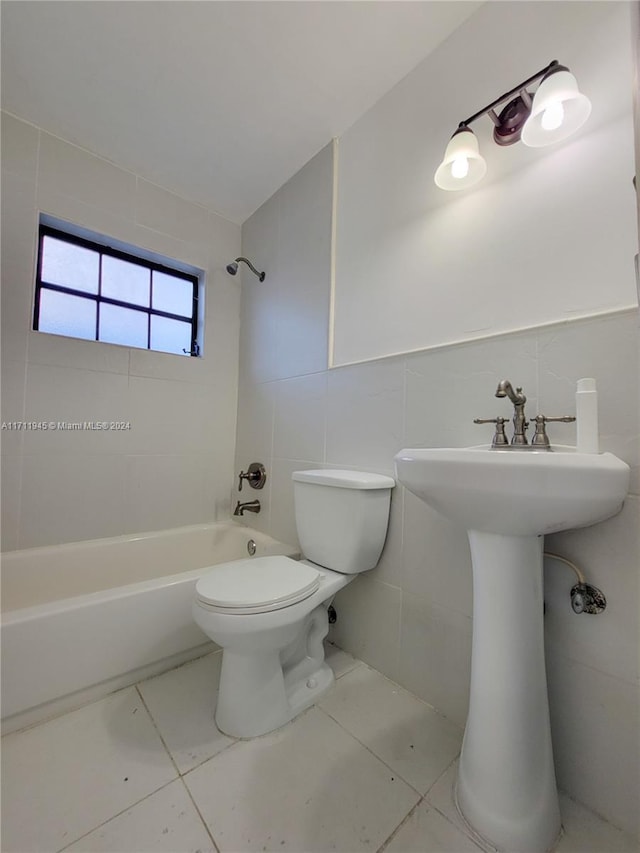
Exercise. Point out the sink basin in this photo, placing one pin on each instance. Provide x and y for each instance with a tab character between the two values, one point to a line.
516	492
507	499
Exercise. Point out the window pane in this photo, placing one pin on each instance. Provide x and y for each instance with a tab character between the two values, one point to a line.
170	335
70	265
124	281
171	294
123	326
62	314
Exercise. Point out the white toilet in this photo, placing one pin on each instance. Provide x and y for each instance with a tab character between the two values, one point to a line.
269	614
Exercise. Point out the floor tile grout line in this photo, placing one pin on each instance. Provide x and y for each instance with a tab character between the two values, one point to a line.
446	770
180	775
423	797
402	689
462	826
158	732
371	752
199	813
118	814
356	738
430	807
404	820
235	741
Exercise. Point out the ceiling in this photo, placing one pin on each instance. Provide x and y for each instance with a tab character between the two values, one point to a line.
220	102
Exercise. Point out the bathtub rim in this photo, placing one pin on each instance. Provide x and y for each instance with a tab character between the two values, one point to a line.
86	547
164	532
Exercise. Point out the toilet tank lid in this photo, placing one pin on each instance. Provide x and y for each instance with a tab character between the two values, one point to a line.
344	479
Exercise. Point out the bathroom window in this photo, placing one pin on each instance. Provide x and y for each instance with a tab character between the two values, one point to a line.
87	289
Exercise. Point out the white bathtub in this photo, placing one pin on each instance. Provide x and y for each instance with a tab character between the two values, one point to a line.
82	619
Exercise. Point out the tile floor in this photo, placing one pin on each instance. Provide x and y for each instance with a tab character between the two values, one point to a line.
145	770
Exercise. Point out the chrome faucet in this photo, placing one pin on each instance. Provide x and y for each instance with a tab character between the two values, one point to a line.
540	440
520	423
247	506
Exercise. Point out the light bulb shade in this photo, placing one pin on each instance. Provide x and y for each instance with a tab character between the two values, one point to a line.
463	165
558	88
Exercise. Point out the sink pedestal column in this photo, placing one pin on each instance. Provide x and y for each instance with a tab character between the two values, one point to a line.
506	787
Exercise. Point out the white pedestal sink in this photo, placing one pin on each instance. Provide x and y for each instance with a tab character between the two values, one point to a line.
508	500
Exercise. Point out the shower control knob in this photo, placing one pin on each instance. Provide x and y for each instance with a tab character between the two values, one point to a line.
255	475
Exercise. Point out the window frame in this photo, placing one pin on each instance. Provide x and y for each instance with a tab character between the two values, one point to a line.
104	249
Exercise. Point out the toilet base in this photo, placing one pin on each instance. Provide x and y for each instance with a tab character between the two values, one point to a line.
261	691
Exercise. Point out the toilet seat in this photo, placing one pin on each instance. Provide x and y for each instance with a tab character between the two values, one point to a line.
256	585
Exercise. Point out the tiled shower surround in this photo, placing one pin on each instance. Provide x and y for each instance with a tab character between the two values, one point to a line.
410	617
174	466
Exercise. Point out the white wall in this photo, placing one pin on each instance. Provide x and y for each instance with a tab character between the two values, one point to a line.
411	616
175	464
549	234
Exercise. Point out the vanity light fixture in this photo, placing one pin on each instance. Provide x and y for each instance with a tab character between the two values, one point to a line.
556	110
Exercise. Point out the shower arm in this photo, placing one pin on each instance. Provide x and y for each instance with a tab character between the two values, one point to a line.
260	275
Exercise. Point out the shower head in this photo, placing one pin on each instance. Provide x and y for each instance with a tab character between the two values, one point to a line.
232	268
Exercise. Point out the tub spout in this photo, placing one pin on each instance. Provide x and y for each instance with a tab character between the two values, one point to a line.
247	506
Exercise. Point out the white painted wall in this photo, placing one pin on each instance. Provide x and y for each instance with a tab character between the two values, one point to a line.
548	235
174	466
411	616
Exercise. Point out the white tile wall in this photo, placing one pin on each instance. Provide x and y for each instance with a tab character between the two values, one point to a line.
175	465
365	414
281	494
368	626
72	171
594	725
163	491
606	349
165	212
19	148
18	257
300	412
435	548
447	388
65	498
411	617
435	653
604	552
285	330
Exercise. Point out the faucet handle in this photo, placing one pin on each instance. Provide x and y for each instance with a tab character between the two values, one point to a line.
499	438
256	476
541	439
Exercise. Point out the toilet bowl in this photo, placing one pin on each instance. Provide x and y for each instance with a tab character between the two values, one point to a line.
269	614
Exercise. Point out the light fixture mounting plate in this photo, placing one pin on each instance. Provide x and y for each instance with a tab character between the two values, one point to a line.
510	122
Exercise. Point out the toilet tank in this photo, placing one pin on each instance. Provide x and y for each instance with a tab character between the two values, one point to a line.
342	517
